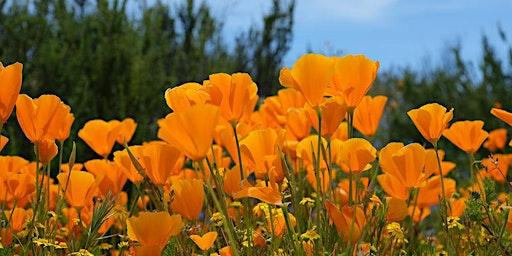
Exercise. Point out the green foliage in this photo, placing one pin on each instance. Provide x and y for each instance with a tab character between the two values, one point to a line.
456	83
108	58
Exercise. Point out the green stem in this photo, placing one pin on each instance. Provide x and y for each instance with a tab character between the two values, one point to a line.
415	203
290	232
246	201
443	202
329	161
233	125
319	196
350	179
350	123
223	210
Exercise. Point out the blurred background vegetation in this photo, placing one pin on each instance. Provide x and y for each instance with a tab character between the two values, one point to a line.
108	61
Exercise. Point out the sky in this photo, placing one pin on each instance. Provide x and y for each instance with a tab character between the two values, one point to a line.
397	33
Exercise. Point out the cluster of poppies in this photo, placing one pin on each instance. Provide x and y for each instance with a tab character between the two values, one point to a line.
298	175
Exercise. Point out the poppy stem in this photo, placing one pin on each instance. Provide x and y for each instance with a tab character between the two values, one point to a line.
228	225
417	194
350	179
247	204
233	125
350	123
443	202
290	231
473	172
319	196
38	194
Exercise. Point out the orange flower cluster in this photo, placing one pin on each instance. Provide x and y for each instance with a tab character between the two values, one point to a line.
220	164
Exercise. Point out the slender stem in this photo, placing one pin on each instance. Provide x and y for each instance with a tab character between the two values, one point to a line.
329	161
319	196
290	230
415	203
440	172
350	179
233	125
350	123
351	233
38	192
246	201
473	172
443	202
223	210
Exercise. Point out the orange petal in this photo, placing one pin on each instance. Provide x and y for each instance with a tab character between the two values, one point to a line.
206	241
10	78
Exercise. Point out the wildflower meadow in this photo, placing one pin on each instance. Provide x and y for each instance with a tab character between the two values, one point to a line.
230	173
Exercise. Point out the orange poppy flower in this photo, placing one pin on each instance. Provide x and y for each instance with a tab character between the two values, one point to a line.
307	149
432	166
206	241
497	140
310	75
11	164
355	155
100	135
216	159
126	132
182	97
20	185
65	127
467	135
298	123
502	115
397	209
260	151
191	131
17	217
368	113
457	207
497	167
405	163
343	189
430	193
188	198
341	132
47	150
114	177
158	161
225	137
80	187
348	228
3	141
269	194
276	221
228	250
419	213
40	118
232	181
275	108
142	229
236	95
10	79
334	110
123	160
393	187
431	120
324	178
353	77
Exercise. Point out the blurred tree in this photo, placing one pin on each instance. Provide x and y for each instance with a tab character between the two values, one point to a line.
107	64
263	50
471	92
